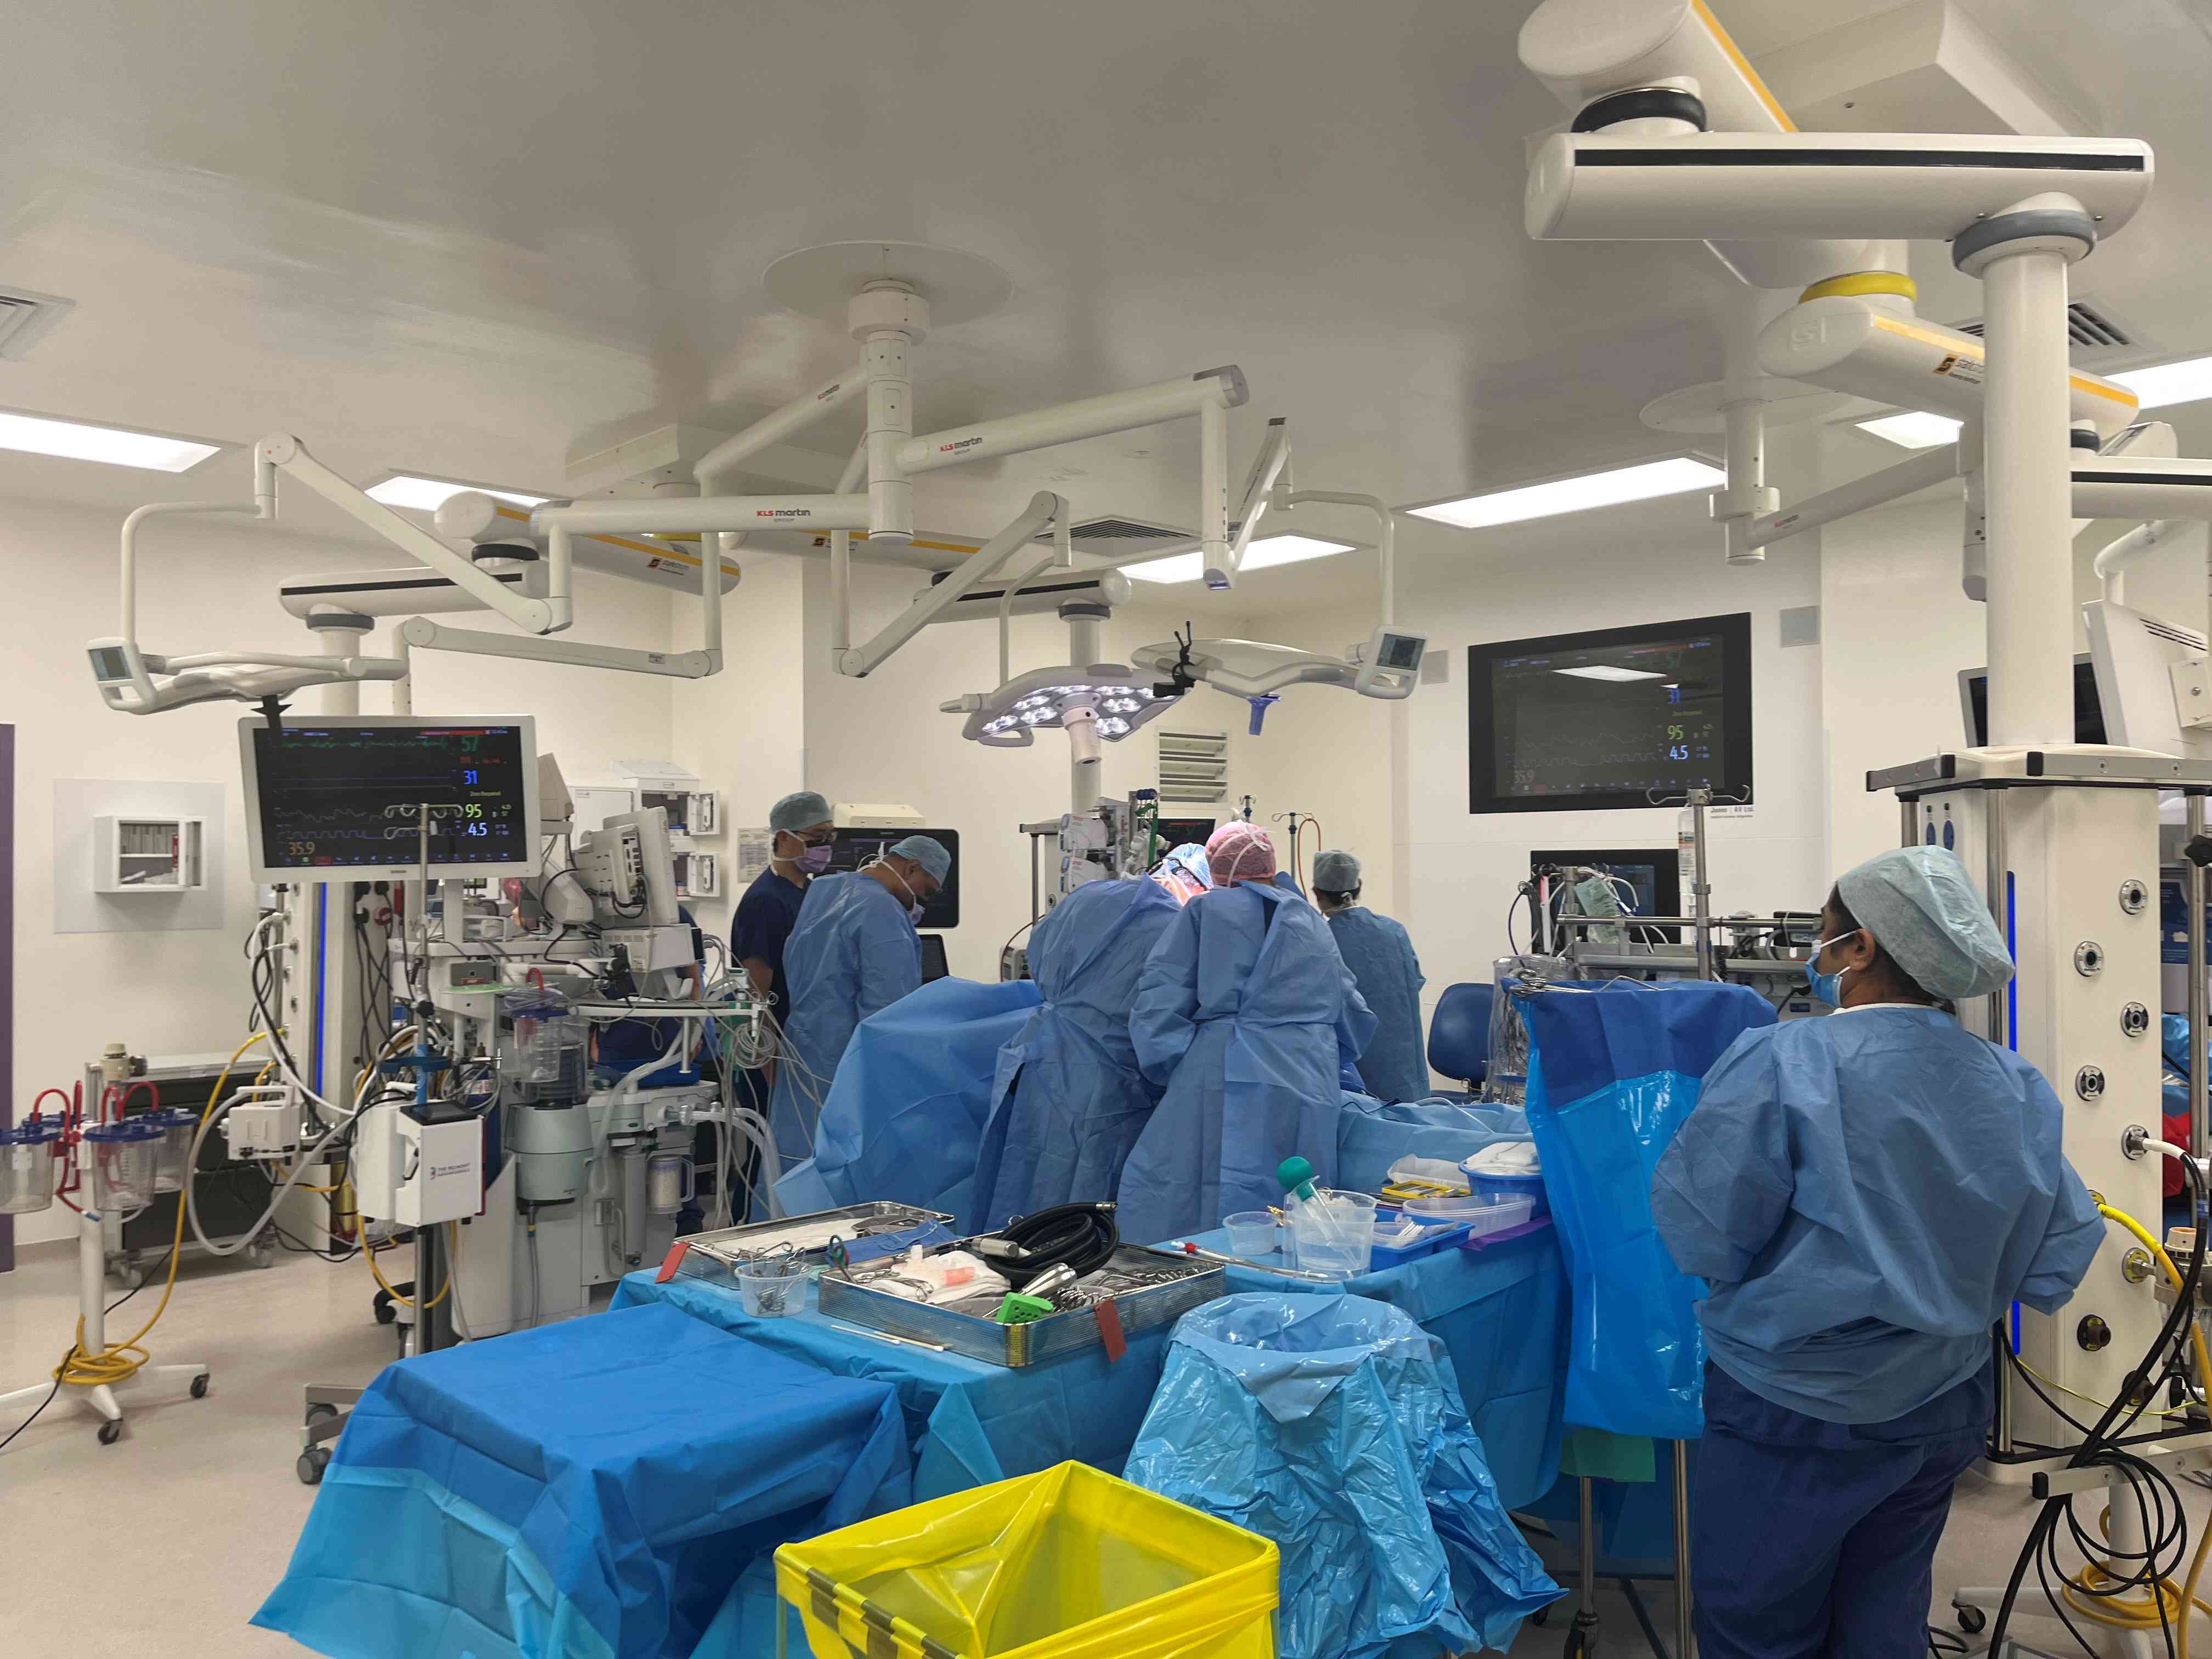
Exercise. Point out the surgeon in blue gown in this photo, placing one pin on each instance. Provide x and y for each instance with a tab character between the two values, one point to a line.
853	952
1244	1015
1069	1100
1865	1195
1380	954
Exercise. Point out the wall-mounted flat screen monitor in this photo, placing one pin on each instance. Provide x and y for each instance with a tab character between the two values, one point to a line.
1616	717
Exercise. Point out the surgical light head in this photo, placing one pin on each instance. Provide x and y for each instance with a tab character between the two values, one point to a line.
1105	702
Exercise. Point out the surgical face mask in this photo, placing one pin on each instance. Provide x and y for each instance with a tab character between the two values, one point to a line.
809	858
1828	988
913	903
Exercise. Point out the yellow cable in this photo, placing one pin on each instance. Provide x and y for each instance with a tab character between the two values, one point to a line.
2166	1603
452	1242
2140	1612
114	1362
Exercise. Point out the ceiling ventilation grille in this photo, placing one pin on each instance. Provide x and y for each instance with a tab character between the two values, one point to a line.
24	316
2089	329
1118	538
1194	766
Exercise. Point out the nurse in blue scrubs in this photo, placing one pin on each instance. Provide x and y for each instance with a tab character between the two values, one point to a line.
1866	1193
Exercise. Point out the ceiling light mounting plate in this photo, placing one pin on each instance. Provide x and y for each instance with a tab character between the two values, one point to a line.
822	281
1704	407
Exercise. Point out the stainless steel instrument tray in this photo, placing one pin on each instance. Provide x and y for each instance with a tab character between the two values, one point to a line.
1147	1288
729	1246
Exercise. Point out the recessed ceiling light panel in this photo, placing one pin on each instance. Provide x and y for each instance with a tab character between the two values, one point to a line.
35	435
1614	487
429	495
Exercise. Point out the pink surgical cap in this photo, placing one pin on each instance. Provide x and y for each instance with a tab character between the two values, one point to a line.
1239	851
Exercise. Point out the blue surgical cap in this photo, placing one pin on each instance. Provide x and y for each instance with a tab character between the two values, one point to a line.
1923	910
931	856
1335	870
802	809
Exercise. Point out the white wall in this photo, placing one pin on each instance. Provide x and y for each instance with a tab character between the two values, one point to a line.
744	731
206	587
1653	563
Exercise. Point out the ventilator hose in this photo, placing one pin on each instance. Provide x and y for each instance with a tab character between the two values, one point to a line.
1083	1236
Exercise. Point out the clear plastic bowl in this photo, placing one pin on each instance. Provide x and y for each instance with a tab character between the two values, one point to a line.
1334	1233
771	1290
26	1168
1480	1215
1251	1232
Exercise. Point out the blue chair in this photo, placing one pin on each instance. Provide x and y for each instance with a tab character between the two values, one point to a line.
1459	1034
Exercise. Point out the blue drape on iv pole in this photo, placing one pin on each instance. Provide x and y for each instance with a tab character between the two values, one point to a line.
1613	1072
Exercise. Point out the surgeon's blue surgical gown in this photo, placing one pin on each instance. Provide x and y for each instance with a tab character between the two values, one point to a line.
1244	1015
853	953
1380	954
1068	1100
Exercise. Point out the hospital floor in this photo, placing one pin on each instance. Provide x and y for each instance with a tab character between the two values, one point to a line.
196	1506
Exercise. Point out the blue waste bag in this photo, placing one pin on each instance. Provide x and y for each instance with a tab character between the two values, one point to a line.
1371	1136
905	1116
1333	1425
1612	1071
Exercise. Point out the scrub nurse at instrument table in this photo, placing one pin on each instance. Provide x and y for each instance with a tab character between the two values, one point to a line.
1867	1193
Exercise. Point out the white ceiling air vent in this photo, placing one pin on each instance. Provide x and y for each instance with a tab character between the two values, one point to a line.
1194	766
24	316
1119	538
2091	330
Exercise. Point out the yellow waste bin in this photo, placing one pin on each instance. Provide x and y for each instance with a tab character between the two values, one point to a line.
1070	1564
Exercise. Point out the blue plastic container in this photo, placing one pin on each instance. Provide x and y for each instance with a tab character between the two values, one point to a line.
1396	1255
1504	1186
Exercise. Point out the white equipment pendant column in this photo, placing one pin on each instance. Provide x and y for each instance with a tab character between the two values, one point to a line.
2064	842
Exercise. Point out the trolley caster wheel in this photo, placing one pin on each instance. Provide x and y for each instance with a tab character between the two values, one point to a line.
200	1386
386	1313
1973	1621
311	1465
261	1255
320	1413
110	1433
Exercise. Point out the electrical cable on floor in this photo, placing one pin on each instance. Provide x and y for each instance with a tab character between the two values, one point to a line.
2129	1590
